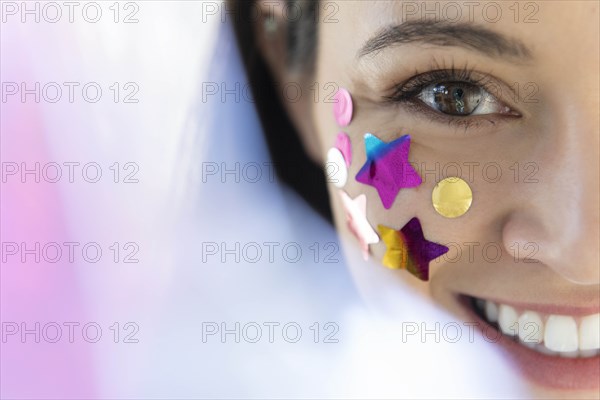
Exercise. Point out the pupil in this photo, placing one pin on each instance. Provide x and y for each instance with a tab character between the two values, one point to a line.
456	98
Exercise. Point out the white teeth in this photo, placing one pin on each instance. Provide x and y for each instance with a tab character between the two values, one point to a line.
588	353
491	311
544	350
531	327
508	319
561	333
569	354
589	332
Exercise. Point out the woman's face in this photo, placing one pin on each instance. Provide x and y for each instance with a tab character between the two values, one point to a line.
528	245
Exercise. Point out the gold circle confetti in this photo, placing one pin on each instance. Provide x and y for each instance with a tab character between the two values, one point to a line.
452	197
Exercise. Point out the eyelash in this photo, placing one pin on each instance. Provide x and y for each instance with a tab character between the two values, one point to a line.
407	92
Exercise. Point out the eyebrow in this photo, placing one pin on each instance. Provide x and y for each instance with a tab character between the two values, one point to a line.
444	33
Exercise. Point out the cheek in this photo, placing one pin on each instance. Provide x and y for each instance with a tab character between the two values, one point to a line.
379	183
388	213
456	199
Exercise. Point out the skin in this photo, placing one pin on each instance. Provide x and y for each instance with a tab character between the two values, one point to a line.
552	204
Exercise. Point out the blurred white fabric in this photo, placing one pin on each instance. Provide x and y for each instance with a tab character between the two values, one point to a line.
173	293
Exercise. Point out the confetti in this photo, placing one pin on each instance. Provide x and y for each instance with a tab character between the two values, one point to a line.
356	217
387	168
408	249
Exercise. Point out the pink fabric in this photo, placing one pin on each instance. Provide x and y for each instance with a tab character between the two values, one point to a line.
31	292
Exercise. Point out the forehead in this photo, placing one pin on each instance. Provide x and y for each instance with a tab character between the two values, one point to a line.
556	32
529	13
537	20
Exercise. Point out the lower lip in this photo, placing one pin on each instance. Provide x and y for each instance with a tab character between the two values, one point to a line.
545	370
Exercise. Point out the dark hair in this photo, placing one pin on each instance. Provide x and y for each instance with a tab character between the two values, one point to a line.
292	164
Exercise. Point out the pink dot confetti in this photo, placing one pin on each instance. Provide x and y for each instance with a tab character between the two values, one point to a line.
342	109
343	144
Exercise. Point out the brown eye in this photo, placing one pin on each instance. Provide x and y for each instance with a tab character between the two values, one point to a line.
456	98
461	99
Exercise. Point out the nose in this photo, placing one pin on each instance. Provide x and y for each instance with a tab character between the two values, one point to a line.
558	223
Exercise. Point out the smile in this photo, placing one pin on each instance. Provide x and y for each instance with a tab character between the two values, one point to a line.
554	346
569	336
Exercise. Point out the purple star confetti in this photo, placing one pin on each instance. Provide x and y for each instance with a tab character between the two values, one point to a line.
387	168
408	249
